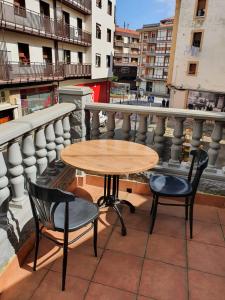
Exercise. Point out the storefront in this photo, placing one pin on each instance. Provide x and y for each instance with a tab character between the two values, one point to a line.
101	90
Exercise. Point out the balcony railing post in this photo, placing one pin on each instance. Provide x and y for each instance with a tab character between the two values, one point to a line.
126	127
110	125
95	125
197	133
58	126
41	151
51	145
214	146
159	136
176	149
29	159
142	129
15	169
4	191
66	129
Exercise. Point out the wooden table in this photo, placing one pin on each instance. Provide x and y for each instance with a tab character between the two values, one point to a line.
111	158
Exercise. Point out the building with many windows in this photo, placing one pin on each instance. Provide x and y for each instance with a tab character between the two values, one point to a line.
51	43
197	69
154	61
126	55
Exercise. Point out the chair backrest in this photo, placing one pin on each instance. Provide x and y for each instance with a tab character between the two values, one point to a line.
200	157
44	202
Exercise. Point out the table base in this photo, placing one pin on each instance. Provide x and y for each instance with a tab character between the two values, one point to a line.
111	199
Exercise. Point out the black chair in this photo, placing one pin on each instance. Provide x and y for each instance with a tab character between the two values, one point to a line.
173	186
63	212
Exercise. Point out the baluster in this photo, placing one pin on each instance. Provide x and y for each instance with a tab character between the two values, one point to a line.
4	191
15	169
159	136
29	159
197	134
50	139
95	125
126	127
110	125
176	149
59	138
66	128
142	129
41	152
88	124
214	146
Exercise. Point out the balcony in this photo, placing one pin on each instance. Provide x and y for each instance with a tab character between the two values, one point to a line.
152	40
27	21
125	64
156	77
14	72
122	54
83	6
165	265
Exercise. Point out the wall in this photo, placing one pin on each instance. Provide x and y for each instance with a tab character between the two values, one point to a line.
101	46
211	69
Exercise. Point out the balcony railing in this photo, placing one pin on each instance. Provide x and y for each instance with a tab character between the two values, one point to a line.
131	45
171	157
14	72
152	40
25	20
121	54
77	70
83	6
156	77
125	64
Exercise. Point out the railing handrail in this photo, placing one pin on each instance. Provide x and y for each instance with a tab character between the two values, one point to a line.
167	112
16	128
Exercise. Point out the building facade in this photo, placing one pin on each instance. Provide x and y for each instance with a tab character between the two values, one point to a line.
51	43
197	70
156	40
126	55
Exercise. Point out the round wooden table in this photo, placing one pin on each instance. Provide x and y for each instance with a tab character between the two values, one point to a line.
110	158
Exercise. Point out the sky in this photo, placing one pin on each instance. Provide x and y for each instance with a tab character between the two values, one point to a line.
139	12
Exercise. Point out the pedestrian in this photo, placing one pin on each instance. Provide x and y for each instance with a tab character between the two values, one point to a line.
164	103
168	103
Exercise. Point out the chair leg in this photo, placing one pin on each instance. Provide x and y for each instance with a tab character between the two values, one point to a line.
153	200
36	248
95	236
154	213
191	220
186	208
65	253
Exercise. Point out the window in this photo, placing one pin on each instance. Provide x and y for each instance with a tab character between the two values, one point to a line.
109	36
47	55
67	56
80	57
98	60
66	17
79	23
98	31
192	69
44	9
109	8
108	61
201	8
24	54
99	3
197	39
20	8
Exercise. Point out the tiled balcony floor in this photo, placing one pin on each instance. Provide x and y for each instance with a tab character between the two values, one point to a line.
164	266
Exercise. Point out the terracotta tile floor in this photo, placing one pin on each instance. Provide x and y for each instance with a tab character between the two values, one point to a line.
164	266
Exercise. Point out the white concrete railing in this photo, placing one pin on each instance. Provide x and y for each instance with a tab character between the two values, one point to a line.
178	116
28	146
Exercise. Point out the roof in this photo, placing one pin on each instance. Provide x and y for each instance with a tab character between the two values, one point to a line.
126	31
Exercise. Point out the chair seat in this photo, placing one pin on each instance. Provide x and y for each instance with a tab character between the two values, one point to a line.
170	186
81	213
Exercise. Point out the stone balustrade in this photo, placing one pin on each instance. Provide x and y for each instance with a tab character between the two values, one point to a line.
156	121
28	146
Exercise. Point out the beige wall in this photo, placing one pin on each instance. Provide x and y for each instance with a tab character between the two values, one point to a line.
211	68
100	15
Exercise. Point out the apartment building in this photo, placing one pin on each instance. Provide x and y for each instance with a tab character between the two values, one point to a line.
197	70
51	43
155	48
126	55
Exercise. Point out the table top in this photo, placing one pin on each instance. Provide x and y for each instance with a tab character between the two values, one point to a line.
110	157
